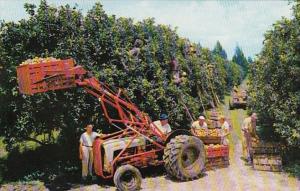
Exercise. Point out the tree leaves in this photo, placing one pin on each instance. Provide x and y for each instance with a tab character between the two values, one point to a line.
274	81
102	44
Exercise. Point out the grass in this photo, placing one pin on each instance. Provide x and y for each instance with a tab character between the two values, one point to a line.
236	116
52	164
3	152
236	123
22	147
3	155
26	145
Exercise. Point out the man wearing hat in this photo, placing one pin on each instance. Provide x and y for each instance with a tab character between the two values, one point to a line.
249	132
86	151
199	124
162	125
225	129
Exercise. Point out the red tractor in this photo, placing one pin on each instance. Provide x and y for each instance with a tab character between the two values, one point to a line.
120	154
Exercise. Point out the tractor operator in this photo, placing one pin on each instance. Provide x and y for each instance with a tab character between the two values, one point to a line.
225	129
86	151
199	124
162	125
249	132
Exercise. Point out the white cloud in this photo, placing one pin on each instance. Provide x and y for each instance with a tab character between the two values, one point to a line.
230	22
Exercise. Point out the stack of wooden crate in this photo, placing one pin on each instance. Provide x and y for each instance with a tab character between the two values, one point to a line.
266	156
267	162
213	121
218	162
217	156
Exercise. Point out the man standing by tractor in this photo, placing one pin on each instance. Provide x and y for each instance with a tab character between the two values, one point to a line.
199	124
249	132
225	130
86	151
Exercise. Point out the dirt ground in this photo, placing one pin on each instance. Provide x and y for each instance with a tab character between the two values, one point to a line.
237	177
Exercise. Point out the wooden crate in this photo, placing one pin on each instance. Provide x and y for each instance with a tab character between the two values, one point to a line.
267	162
34	78
221	151
272	168
210	139
265	148
207	137
215	163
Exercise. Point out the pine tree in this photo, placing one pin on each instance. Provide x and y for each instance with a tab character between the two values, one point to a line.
218	50
241	60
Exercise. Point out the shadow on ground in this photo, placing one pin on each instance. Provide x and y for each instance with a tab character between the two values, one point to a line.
51	165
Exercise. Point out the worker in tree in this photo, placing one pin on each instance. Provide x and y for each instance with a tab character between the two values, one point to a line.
199	124
225	127
249	132
174	65
135	51
162	125
86	151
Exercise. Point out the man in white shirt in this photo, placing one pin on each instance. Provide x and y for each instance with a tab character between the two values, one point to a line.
199	124
249	133
225	129
86	151
162	125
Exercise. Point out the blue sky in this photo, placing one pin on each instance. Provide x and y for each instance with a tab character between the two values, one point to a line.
231	22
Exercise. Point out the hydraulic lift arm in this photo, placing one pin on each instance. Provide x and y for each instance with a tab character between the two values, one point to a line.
63	74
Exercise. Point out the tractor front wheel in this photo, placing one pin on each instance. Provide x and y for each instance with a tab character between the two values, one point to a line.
127	178
184	157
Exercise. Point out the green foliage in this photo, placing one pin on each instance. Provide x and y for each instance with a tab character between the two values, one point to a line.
241	60
249	60
107	46
234	74
275	81
50	164
293	169
218	49
233	71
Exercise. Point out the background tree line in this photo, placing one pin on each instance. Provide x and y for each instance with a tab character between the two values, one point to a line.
137	56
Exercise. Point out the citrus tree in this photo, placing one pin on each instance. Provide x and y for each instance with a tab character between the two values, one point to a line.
161	71
275	81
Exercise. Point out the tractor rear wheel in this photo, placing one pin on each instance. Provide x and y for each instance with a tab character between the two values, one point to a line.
127	178
184	157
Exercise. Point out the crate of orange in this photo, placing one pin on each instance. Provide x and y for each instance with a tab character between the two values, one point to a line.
224	150
210	136
213	151
34	75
